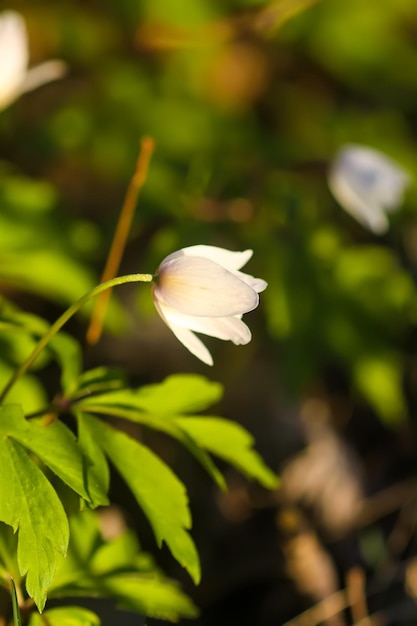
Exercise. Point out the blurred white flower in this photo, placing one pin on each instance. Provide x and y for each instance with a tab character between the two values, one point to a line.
200	289
368	185
15	77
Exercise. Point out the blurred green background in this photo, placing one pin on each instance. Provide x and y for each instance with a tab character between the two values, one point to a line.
247	101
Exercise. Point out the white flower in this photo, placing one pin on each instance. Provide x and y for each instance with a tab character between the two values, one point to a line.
200	289
368	185
15	78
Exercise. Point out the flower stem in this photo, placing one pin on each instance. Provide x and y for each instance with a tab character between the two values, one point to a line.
59	323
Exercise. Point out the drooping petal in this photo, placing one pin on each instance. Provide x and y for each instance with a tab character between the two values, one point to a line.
186	337
228	259
198	286
43	73
258	284
225	328
13	55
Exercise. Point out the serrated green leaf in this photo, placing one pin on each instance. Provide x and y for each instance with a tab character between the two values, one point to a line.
97	469
117	568
158	491
152	596
29	503
66	616
179	393
153	406
99	380
90	558
103	404
231	442
57	447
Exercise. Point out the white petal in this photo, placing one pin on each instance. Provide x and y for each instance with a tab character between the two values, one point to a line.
225	328
198	286
367	184
258	284
187	338
231	261
228	259
369	215
43	73
13	55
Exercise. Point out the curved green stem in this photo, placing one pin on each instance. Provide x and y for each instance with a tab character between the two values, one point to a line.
56	326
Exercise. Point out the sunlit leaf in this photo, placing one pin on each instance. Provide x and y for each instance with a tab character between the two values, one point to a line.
47	273
158	491
379	379
28	390
29	504
66	616
97	469
114	405
231	442
57	447
99	380
155	597
117	568
179	393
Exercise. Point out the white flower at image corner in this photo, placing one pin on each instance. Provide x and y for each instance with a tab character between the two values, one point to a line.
200	289
368	185
15	77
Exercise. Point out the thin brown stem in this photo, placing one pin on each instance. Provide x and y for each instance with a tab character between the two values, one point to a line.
120	238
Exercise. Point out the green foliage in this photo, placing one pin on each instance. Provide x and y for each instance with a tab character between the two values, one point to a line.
116	568
29	503
30	500
248	101
66	616
157	490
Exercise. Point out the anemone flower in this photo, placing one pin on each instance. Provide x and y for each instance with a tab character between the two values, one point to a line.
15	77
200	289
368	185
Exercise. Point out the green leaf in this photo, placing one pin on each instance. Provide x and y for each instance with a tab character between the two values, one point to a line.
99	380
68	353
97	470
152	596
379	378
154	405
17	621
231	442
90	558
103	404
179	393
27	391
57	447
158	491
49	273
29	503
65	616
64	347
117	568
